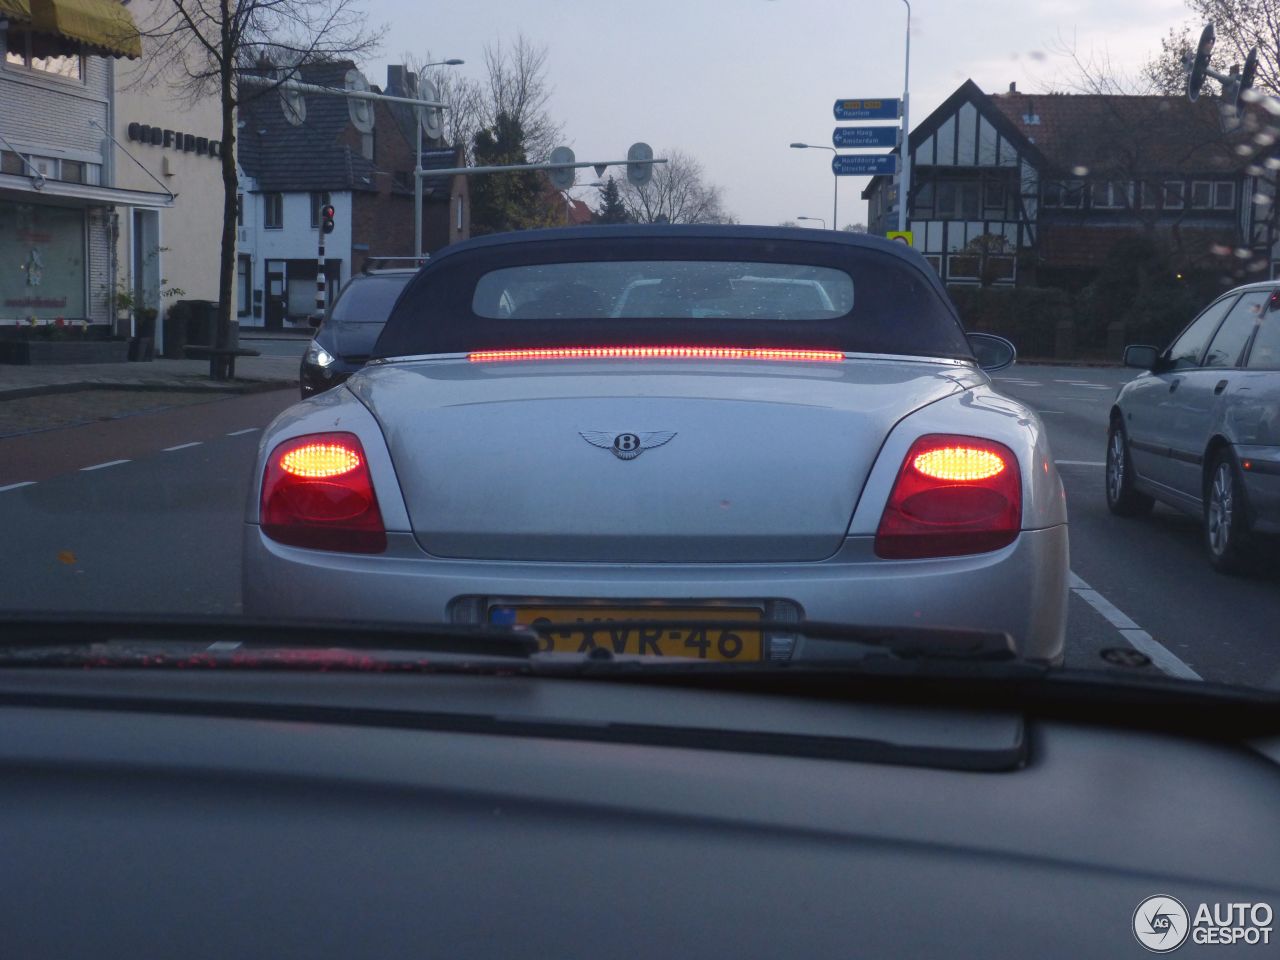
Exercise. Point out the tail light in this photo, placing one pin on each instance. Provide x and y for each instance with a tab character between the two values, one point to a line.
953	496
317	492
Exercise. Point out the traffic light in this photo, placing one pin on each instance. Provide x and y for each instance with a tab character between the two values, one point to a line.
326	218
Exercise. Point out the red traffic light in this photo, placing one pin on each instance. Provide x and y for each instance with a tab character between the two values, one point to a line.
326	218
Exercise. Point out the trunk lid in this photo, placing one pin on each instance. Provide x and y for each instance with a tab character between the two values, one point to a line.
764	463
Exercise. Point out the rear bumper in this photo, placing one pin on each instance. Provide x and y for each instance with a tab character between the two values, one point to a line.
1021	589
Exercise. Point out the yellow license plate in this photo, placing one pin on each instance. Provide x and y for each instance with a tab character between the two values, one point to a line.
608	627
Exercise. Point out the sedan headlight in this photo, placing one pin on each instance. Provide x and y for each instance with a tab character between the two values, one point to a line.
318	356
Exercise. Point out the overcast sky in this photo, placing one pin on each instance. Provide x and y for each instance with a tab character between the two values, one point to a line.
733	82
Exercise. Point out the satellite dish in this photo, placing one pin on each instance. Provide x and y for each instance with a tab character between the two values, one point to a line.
292	101
1247	76
429	117
562	179
361	110
1200	65
638	172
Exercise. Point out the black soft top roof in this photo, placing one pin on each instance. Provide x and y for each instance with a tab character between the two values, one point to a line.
901	307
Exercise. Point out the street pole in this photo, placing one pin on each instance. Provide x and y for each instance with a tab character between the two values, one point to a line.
320	277
417	192
904	184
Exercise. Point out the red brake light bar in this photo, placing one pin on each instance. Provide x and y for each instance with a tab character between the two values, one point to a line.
657	353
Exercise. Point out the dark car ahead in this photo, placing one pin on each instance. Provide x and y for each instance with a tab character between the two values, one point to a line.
342	344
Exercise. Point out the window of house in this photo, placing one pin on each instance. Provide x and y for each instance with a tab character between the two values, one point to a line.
1174	194
240	209
993	195
273	211
1201	195
244	278
946	204
922	199
317	201
1063	194
11	163
47	54
1110	194
1224	195
1148	194
72	171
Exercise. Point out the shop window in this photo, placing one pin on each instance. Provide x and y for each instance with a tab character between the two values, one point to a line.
51	55
43	248
273	211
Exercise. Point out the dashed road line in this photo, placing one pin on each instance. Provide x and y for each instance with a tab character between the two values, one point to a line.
99	466
1080	463
1139	639
15	486
237	433
183	446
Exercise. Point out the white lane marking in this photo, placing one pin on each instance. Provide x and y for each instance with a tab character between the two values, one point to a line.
99	466
1139	639
237	433
183	446
15	486
1080	463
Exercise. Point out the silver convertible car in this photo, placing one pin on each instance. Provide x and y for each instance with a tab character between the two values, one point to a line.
735	425
1200	429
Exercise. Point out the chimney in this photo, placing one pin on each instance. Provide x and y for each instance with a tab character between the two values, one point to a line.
396	84
1013	87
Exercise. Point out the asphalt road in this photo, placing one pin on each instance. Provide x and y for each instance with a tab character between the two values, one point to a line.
1149	575
143	514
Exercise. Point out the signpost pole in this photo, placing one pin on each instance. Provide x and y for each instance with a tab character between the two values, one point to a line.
904	183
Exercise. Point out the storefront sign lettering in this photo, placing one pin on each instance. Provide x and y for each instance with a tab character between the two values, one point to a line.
174	140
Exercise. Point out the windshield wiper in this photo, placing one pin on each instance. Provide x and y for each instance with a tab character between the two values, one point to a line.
23	636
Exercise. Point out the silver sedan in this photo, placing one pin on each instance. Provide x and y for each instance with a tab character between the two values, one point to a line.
1199	430
591	426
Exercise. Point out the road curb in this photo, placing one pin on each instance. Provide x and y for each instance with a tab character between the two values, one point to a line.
234	388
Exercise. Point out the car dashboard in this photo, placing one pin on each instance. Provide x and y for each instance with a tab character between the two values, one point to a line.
253	814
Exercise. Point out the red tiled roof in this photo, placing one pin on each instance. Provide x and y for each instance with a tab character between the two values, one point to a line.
1126	134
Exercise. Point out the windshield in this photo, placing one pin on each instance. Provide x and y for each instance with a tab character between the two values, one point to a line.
691	365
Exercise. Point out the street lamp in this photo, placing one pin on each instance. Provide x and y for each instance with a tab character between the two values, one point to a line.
835	186
818	219
417	165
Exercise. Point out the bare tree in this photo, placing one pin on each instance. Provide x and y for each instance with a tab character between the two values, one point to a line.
514	86
214	43
678	193
1240	25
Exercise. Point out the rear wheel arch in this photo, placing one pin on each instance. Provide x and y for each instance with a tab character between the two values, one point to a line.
1216	445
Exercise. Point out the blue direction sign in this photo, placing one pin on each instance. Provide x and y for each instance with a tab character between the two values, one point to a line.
868	109
853	138
861	165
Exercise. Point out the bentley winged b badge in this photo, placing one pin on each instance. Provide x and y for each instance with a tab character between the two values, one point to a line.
626	446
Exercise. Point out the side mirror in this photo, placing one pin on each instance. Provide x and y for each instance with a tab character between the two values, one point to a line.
992	352
1141	356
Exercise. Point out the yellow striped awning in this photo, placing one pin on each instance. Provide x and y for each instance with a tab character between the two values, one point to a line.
103	27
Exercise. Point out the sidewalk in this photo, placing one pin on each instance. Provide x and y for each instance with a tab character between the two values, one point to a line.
252	374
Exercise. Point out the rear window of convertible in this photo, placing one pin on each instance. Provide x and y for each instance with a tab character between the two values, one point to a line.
664	288
663	291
